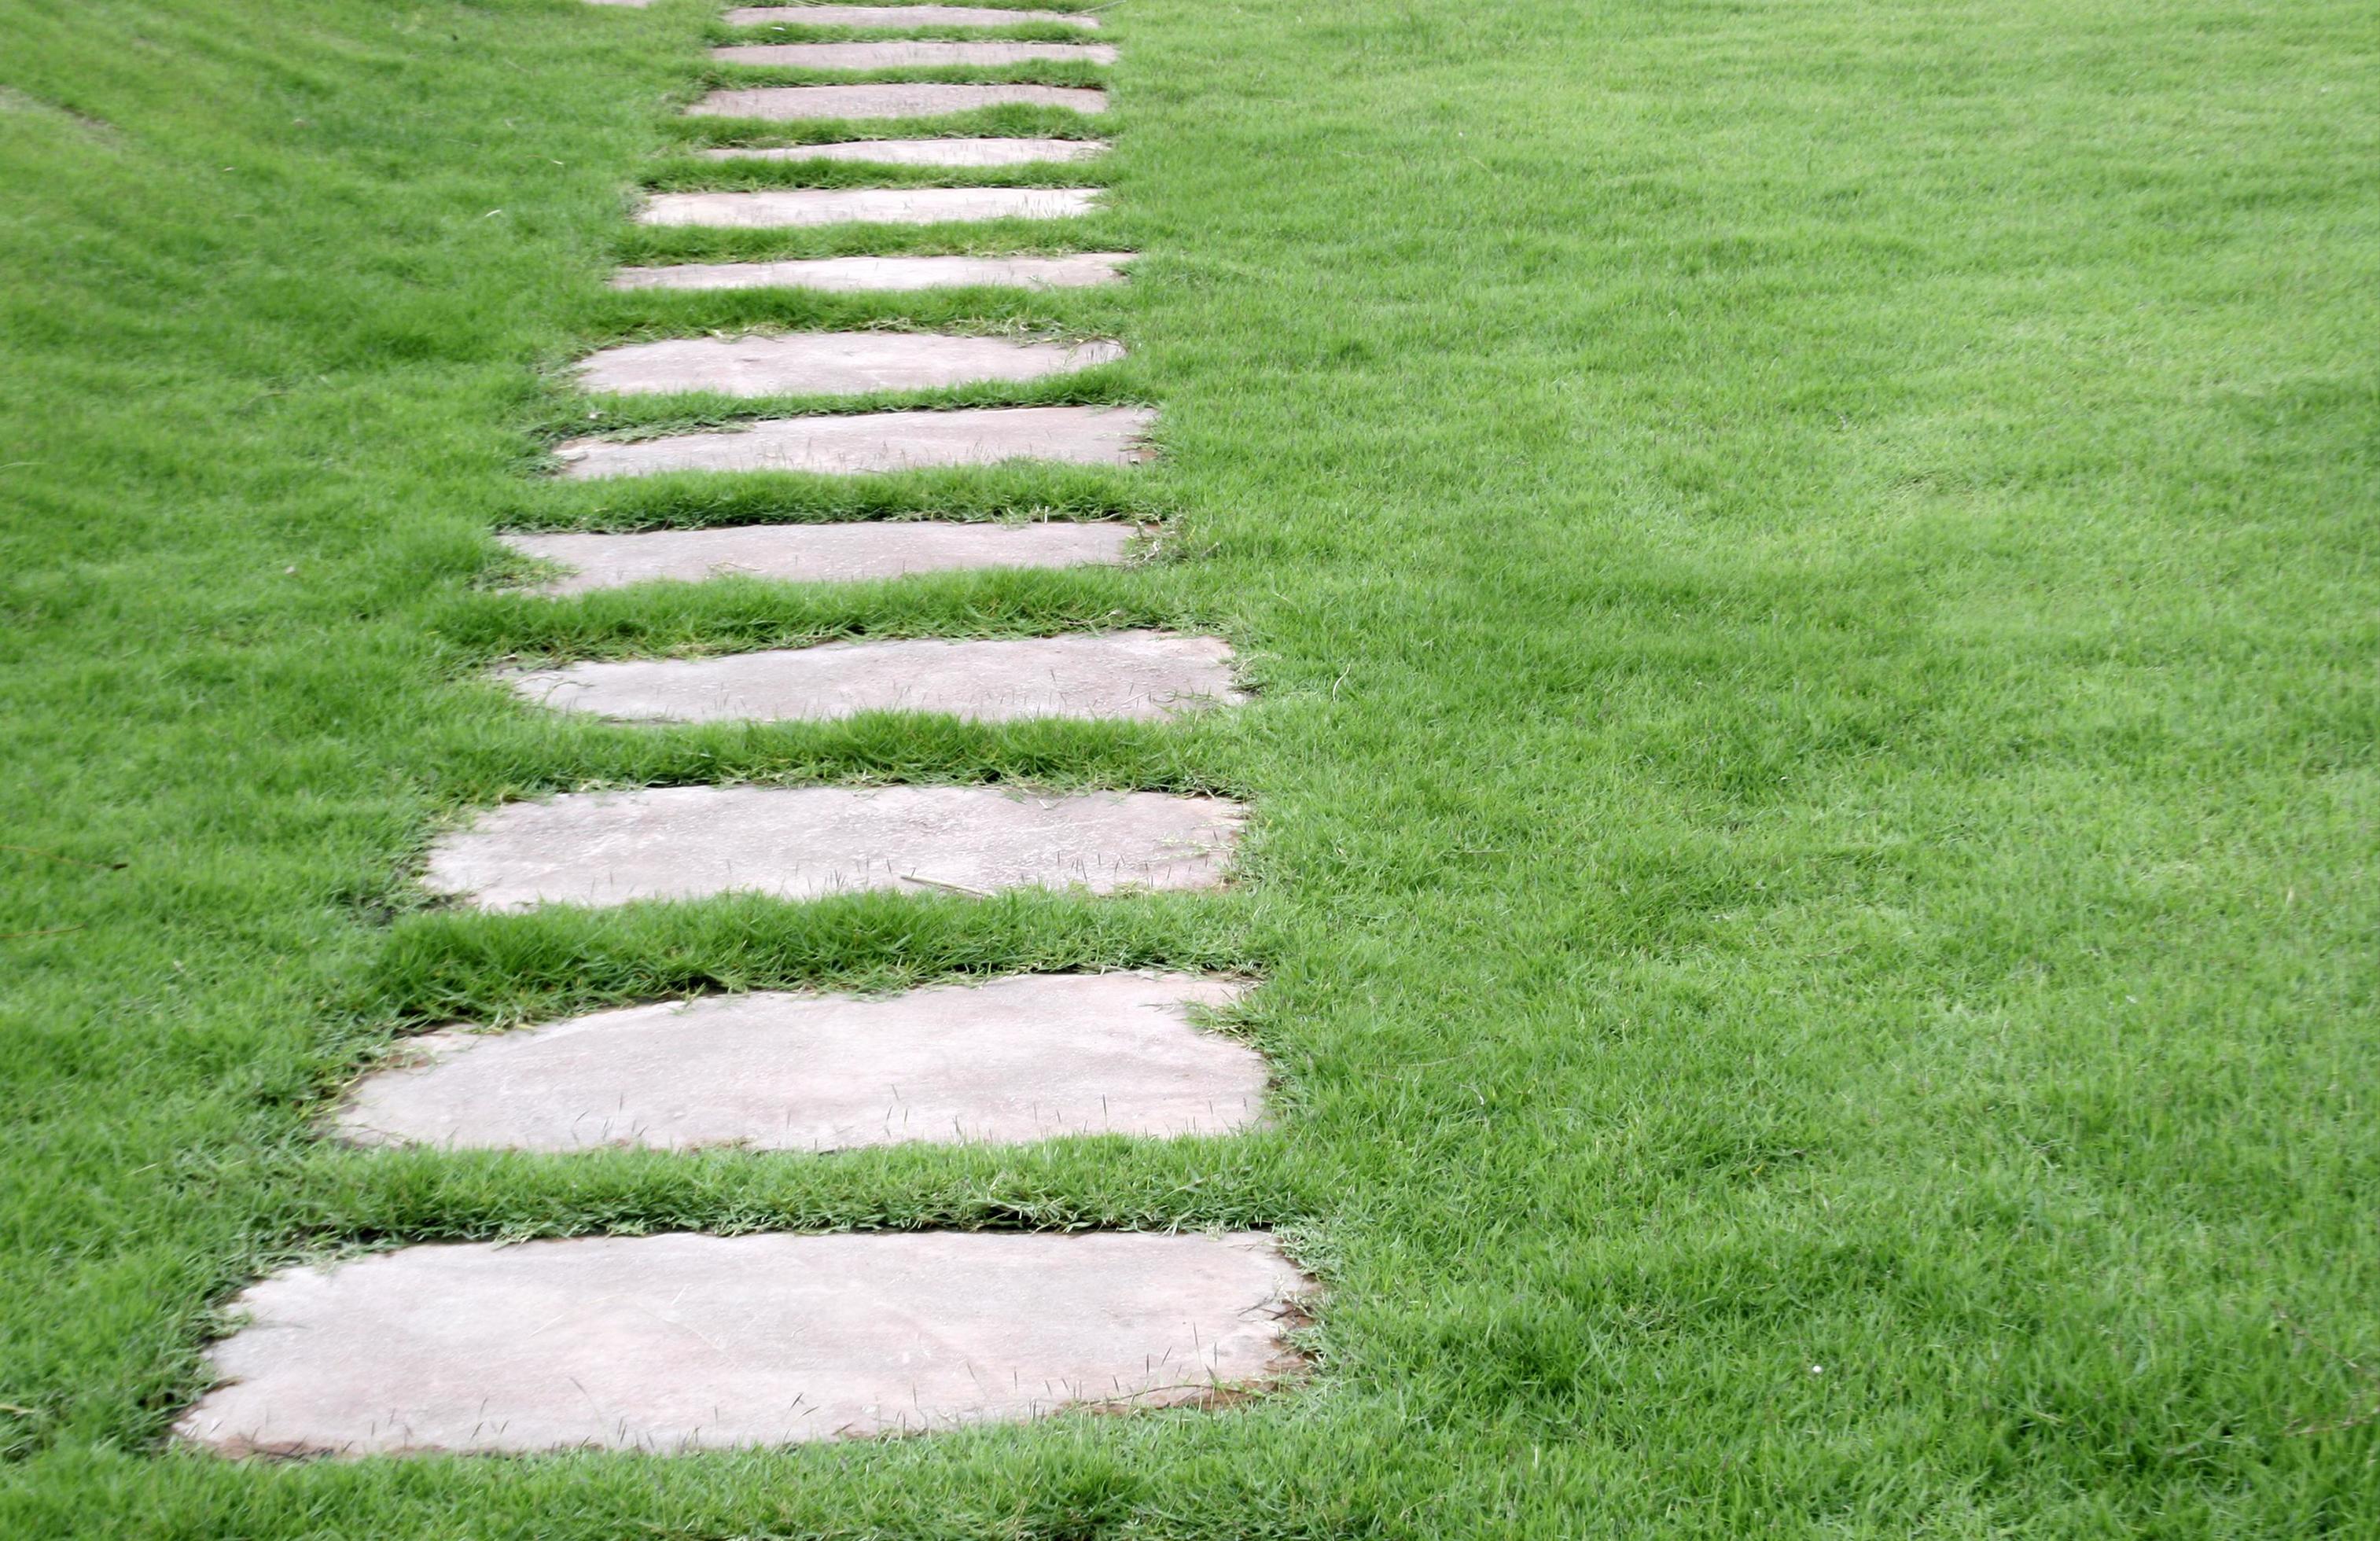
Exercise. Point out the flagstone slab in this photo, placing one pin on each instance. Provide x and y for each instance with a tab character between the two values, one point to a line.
877	442
886	274
795	208
893	99
921	152
829	363
683	1341
1033	1057
816	554
899	16
1124	675
809	842
902	55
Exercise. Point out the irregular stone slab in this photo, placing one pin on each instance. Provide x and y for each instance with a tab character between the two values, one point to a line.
875	441
807	842
682	1342
897	15
886	274
922	152
829	363
793	208
1129	676
1031	1058
816	554
896	99
901	56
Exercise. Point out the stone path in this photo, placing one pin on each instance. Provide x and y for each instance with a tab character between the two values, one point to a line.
878	442
681	1341
892	16
605	848
860	275
920	153
1130	675
897	56
815	553
795	208
829	363
920	99
1030	1057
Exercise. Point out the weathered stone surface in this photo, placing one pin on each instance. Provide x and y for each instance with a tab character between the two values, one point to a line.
921	152
807	842
872	441
816	554
1133	675
902	55
683	1341
829	363
895	99
637	5
793	208
897	15
885	274
1030	1058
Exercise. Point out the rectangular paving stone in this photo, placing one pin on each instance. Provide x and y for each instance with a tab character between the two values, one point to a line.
683	1341
1123	676
902	55
809	842
920	153
829	363
816	554
876	442
893	99
794	207
885	274
898	15
1034	1057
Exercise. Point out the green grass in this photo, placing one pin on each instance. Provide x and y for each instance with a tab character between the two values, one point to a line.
1812	572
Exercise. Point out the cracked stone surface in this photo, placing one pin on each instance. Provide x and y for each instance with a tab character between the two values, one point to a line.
681	1341
897	15
885	274
1031	1057
796	208
808	842
829	363
876	442
921	152
899	55
891	98
1130	675
816	554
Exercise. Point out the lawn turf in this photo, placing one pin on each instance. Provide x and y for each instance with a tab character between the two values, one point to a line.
1811	568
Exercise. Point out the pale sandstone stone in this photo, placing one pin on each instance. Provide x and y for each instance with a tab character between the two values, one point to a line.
877	442
1032	1057
808	842
683	1341
885	274
816	554
829	363
902	56
796	208
898	15
921	152
891	98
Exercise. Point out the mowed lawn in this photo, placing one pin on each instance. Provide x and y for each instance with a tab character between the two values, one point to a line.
1809	567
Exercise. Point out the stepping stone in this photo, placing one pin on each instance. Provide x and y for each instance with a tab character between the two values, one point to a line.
816	554
1036	1057
899	55
680	1342
899	98
797	207
829	363
875	441
886	274
808	842
1131	675
898	15
922	152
